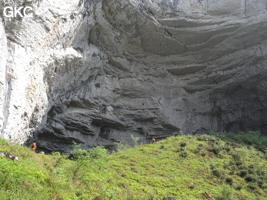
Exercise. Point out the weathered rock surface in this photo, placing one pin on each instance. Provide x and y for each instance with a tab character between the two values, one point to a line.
109	71
3	50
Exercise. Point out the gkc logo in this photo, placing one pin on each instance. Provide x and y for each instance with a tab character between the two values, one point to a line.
14	12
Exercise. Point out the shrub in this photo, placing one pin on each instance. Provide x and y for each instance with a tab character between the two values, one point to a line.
98	198
183	154
260	184
232	172
243	173
231	163
249	138
251	166
203	154
196	151
220	156
252	186
216	173
135	140
264	186
98	152
212	166
205	138
238	163
226	194
259	172
183	144
238	187
182	149
236	157
149	197
251	179
229	180
215	149
169	198
121	146
79	154
95	153
251	171
227	148
57	154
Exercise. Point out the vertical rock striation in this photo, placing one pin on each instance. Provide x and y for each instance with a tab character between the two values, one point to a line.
3	50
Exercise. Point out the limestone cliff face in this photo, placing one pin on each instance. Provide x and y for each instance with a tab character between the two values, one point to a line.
3	50
107	71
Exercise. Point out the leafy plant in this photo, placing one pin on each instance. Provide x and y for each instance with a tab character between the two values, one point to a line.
216	173
141	173
254	139
229	180
183	154
226	194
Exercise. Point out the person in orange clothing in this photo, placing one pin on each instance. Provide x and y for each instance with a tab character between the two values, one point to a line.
34	146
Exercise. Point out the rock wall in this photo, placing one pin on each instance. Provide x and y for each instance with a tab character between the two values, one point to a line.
104	72
3	50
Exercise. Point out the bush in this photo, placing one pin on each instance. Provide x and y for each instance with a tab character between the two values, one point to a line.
197	151
226	194
183	154
251	171
216	173
260	183
251	166
212	166
229	180
243	173
183	144
95	153
169	198
98	198
205	138
98	152
227	148
57	154
249	138
203	154
264	186
79	154
251	179
238	163
252	186
215	149
236	157
181	149
238	187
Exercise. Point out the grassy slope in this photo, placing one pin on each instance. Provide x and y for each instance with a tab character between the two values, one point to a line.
185	167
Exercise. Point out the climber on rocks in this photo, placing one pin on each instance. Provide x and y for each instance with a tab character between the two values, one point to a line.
34	146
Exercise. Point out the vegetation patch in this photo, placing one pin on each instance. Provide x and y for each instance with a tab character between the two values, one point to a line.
178	168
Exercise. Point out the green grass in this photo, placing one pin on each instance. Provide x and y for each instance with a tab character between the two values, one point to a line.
247	138
182	168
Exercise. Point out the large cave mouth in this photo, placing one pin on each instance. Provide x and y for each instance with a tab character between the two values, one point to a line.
242	107
127	71
158	69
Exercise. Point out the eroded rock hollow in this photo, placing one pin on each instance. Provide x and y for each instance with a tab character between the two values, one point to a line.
103	72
